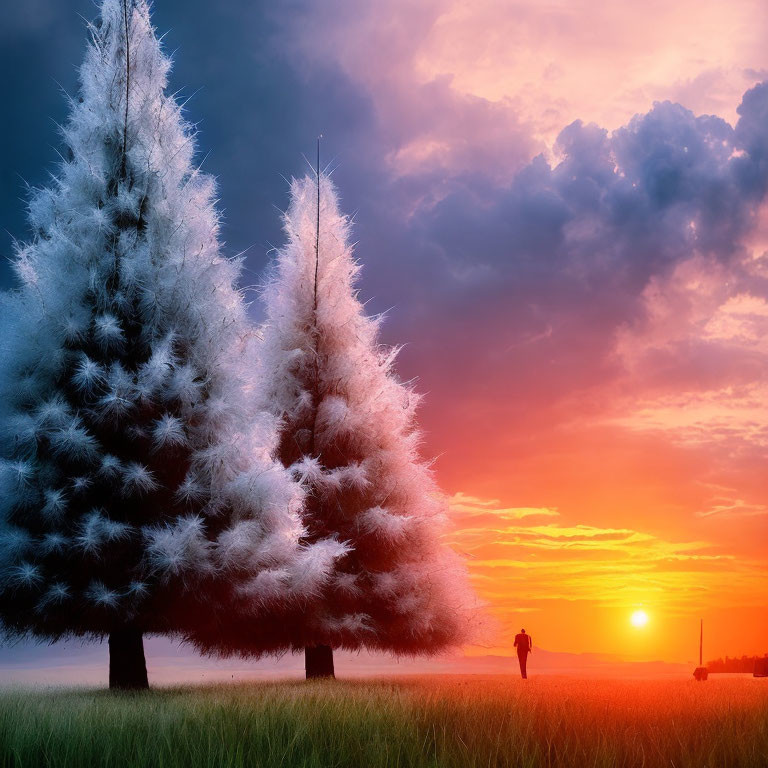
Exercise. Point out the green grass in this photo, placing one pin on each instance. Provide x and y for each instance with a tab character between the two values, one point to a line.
461	722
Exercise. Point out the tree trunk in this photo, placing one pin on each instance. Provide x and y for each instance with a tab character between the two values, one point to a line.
318	661
127	666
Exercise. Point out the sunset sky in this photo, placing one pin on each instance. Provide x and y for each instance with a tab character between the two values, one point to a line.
563	205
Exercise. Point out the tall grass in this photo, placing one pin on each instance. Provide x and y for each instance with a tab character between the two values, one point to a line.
456	722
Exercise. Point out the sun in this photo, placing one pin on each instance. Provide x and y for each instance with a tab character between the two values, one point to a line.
639	619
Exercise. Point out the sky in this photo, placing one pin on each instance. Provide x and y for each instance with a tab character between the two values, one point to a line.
562	207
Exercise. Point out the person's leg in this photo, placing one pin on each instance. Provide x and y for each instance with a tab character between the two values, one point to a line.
523	666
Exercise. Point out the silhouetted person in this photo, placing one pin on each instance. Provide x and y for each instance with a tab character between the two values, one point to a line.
524	647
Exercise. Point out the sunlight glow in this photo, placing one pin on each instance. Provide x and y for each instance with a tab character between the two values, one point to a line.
639	619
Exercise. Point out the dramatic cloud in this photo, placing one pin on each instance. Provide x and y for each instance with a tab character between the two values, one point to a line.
596	60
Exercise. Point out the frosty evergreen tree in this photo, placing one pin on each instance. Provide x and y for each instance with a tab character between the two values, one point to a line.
137	490
349	433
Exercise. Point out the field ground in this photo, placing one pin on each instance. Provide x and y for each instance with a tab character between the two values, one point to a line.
461	722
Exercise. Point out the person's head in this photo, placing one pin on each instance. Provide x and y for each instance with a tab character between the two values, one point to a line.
522	631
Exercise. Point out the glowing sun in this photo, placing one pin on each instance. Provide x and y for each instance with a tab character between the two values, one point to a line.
639	619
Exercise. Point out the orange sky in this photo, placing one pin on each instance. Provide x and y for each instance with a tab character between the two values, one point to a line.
645	486
628	494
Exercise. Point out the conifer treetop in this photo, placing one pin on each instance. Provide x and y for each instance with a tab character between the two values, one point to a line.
349	434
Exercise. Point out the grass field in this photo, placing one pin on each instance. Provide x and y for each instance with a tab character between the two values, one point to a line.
460	722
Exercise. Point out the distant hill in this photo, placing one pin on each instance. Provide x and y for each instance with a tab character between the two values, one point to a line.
76	663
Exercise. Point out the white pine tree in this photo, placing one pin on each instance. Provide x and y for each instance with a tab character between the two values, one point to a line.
137	489
349	434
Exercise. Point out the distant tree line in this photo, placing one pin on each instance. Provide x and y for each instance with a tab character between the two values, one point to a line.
733	664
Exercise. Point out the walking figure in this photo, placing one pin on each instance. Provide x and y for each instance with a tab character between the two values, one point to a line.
524	646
